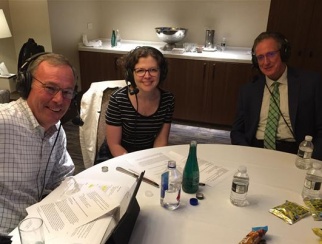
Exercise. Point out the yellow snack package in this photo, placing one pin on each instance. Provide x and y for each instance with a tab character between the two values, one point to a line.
317	231
315	206
290	212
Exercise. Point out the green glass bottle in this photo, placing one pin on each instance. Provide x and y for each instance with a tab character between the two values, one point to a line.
190	180
113	39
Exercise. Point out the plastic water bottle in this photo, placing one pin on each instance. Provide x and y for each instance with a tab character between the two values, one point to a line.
190	181
239	187
303	159
171	187
118	38
313	181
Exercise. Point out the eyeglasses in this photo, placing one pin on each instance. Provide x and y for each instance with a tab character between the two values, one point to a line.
141	72
269	55
53	90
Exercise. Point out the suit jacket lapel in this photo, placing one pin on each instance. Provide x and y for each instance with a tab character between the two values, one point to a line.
258	91
293	91
258	95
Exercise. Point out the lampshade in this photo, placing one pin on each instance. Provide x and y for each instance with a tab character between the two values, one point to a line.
4	28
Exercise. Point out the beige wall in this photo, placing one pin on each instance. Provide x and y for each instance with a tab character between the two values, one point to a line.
7	48
239	21
59	24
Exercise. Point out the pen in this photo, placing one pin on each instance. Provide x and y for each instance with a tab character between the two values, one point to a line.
133	174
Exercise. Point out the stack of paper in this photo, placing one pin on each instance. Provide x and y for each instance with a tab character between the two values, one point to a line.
81	212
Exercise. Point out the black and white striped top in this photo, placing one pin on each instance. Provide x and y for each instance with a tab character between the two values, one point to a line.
138	131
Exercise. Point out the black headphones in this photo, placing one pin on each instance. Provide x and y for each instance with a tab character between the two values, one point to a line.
285	50
24	77
132	58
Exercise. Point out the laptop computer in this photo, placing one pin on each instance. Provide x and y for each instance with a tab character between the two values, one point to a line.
123	230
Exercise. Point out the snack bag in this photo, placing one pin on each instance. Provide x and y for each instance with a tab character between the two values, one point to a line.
315	206
255	236
290	212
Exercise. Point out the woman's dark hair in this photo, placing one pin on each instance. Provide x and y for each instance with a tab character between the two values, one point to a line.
132	58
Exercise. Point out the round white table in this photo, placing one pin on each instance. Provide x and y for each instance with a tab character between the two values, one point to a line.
273	180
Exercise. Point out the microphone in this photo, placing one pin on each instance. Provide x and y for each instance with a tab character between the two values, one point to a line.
134	91
77	120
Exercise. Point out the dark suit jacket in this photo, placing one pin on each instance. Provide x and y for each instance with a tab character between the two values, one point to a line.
305	108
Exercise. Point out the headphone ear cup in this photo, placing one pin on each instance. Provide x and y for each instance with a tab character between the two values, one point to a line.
23	86
254	60
24	78
285	50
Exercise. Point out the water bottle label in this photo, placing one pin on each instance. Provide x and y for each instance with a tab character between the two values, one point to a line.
164	183
316	186
304	154
239	189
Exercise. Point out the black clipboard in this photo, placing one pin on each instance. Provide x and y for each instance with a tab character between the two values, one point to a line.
123	230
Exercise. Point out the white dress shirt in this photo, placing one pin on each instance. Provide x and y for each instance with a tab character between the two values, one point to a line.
31	162
283	132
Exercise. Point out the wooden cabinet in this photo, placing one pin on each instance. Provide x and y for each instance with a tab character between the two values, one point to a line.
206	91
300	21
96	66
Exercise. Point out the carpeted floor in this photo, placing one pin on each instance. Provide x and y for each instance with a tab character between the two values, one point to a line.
180	133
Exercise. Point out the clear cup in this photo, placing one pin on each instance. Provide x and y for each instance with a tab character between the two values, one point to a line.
189	47
31	231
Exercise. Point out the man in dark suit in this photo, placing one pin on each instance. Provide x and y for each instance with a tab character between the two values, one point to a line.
300	105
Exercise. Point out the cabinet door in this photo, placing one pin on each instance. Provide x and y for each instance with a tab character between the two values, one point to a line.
96	66
224	82
300	21
186	80
314	40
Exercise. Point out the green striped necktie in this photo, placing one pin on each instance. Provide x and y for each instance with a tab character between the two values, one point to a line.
272	119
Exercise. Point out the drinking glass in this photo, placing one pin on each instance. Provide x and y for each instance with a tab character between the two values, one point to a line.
31	231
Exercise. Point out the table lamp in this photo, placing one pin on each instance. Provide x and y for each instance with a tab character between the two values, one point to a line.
4	28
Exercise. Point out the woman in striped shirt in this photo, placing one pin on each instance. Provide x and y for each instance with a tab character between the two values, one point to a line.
139	115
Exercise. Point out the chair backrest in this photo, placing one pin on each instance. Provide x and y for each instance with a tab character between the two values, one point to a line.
4	96
101	126
92	112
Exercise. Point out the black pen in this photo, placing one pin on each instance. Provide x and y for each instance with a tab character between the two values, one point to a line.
133	174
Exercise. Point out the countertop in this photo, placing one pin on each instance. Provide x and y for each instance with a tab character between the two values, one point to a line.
231	54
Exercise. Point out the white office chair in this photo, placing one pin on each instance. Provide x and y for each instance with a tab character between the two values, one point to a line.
92	111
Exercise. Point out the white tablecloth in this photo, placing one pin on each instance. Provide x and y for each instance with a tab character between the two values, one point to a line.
273	179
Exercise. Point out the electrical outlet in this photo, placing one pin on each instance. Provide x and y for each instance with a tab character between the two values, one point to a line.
90	26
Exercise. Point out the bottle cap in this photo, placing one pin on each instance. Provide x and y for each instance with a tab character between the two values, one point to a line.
308	138
317	165
171	164
200	196
194	201
104	169
242	169
193	143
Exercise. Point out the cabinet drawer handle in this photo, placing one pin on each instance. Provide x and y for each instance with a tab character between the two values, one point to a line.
204	71
213	71
116	62
310	54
